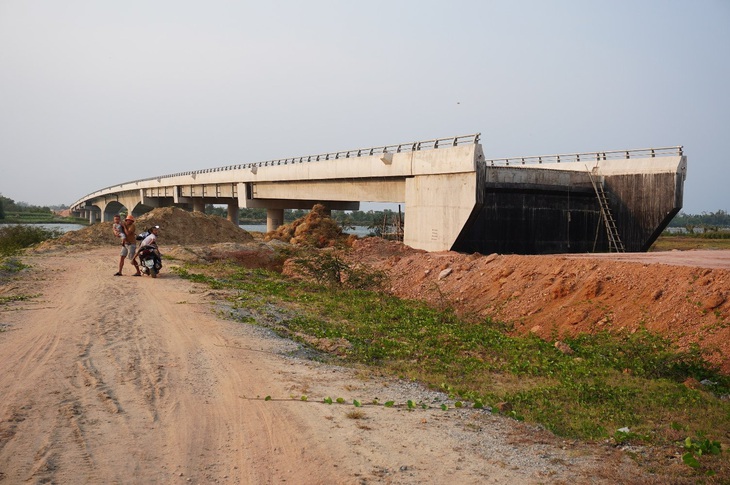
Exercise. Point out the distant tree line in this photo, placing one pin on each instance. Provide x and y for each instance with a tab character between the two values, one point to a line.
344	218
706	220
11	209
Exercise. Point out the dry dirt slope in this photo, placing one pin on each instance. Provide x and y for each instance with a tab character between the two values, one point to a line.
559	295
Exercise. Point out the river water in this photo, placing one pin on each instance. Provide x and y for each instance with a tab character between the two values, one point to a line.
50	226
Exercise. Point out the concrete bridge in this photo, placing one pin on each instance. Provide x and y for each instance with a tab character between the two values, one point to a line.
454	198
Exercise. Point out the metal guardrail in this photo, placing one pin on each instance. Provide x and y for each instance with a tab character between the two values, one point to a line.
589	156
360	152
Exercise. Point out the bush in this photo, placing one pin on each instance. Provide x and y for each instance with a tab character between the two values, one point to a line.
330	269
16	237
715	235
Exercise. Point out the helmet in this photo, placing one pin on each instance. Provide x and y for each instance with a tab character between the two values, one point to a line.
129	218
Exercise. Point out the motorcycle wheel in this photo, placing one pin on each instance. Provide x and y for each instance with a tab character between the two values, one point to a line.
153	272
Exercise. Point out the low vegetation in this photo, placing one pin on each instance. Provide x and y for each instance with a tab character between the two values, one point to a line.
683	242
629	388
13	238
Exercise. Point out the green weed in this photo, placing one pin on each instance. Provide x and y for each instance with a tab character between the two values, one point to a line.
695	449
11	265
4	300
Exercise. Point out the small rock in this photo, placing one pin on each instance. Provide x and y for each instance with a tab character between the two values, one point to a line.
564	348
714	301
443	274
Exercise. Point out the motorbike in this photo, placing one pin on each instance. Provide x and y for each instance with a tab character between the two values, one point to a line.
149	261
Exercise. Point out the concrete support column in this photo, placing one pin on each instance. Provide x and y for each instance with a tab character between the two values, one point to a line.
198	205
274	219
233	212
92	218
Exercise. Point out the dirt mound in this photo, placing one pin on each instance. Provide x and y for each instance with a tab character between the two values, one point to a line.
316	229
177	226
255	254
553	296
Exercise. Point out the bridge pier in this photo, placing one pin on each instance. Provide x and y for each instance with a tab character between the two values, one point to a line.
233	212
274	219
92	216
198	205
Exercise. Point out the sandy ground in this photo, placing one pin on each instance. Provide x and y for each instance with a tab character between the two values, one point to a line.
137	380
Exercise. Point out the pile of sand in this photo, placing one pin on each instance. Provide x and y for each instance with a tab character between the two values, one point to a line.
177	226
316	229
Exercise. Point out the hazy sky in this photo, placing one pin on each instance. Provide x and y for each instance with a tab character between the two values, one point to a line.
95	93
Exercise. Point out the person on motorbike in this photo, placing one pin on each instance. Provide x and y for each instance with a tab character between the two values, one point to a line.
151	239
151	242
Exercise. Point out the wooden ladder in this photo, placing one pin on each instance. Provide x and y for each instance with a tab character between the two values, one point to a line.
614	241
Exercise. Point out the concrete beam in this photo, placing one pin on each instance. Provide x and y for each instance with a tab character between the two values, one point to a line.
300	204
356	190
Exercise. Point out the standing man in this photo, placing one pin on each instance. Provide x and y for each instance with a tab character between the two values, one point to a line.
130	243
119	233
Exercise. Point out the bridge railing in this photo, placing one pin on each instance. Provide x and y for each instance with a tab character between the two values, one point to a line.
589	156
360	152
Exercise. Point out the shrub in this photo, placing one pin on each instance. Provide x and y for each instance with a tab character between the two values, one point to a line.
16	237
330	269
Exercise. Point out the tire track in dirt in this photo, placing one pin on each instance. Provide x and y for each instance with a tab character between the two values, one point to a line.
87	380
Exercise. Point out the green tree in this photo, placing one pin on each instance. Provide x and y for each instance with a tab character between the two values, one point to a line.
706	220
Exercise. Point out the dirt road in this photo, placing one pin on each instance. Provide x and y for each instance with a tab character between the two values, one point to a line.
132	380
